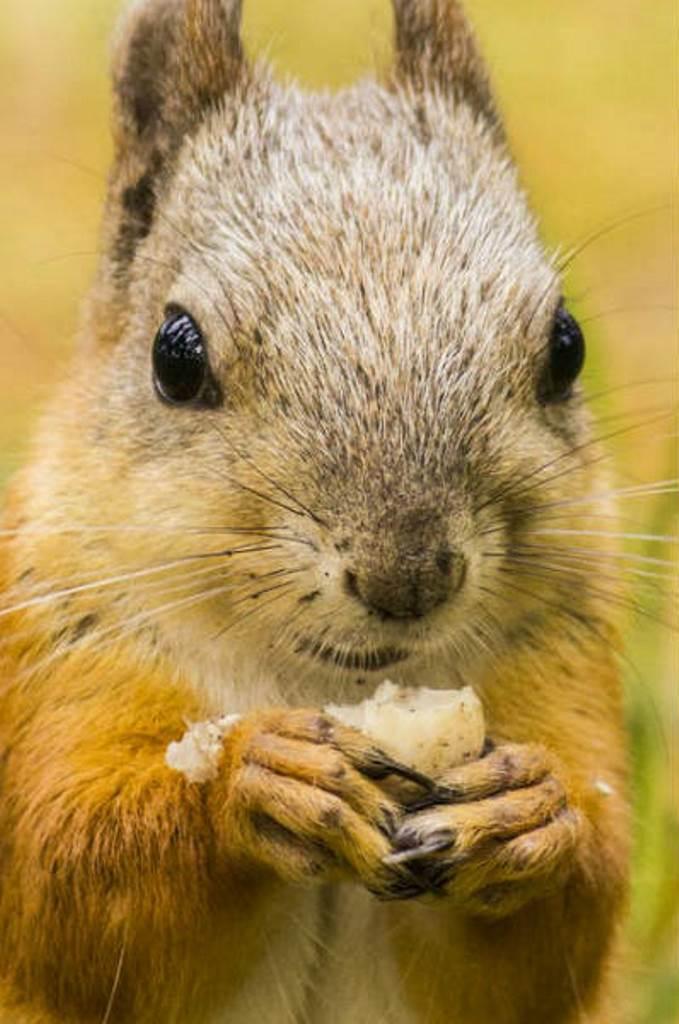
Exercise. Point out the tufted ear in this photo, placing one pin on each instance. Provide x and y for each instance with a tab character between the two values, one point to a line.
174	60
436	49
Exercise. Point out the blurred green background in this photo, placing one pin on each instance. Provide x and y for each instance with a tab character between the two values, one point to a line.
588	93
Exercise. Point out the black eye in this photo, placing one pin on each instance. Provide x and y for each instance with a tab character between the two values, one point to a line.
565	359
180	365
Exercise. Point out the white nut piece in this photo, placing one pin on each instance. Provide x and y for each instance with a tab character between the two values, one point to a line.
198	753
431	730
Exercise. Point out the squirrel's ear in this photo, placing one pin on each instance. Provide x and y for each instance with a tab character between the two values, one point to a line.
436	49
174	59
173	62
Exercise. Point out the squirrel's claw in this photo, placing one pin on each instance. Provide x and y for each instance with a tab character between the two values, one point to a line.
505	836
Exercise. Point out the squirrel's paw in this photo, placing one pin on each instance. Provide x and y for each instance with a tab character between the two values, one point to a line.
501	834
300	796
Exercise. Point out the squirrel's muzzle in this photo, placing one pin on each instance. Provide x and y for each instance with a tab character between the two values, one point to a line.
410	582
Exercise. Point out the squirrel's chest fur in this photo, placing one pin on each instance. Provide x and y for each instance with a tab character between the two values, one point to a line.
328	960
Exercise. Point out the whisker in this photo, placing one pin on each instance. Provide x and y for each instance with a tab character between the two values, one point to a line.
571	254
556	565
585	556
613	517
565	610
543	573
48	584
267	498
123	578
177	585
516	488
647	382
186	582
269	479
281	589
634	491
663	487
624	414
658	308
153	530
120	631
116	984
129	626
652	538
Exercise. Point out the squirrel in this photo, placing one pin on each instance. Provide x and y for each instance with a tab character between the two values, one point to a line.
322	416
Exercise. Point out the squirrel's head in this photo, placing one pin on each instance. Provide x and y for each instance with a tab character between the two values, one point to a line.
329	379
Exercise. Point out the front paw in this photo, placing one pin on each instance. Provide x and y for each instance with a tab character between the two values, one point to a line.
501	834
304	796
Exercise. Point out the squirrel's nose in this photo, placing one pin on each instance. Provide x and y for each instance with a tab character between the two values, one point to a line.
410	588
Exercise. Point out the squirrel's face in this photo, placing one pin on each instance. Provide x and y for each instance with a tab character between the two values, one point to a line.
338	377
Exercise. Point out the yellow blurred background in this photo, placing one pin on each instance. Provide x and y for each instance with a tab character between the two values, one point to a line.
587	90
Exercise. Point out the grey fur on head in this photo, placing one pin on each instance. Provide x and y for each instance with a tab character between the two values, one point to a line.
176	60
374	297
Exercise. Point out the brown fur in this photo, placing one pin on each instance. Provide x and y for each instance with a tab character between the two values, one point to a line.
376	305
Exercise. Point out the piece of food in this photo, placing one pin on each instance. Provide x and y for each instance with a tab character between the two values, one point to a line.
198	753
431	730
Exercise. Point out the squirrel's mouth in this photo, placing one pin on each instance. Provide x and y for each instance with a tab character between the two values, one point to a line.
373	660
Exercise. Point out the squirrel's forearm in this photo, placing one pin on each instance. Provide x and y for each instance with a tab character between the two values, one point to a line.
542	963
538	965
110	857
543	959
577	717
